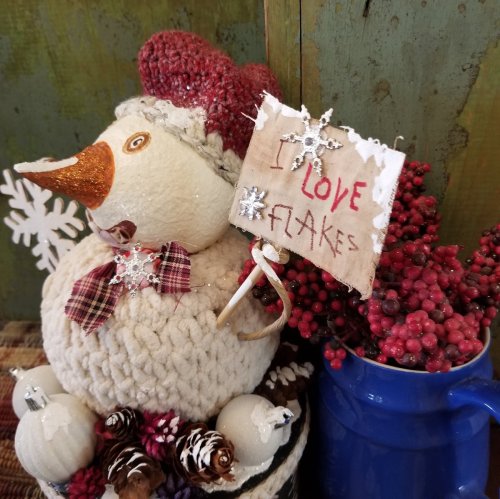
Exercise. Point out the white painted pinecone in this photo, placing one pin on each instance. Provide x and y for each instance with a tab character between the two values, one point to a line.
159	352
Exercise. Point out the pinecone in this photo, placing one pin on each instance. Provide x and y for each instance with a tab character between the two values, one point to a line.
130	470
124	423
203	455
286	378
87	483
159	432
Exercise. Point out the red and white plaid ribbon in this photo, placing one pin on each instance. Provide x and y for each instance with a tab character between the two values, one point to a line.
93	299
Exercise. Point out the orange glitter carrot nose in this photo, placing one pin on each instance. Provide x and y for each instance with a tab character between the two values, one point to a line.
86	177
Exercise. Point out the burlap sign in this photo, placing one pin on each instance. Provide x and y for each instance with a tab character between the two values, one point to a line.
336	218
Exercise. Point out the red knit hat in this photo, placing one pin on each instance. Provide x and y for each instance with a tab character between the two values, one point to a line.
186	70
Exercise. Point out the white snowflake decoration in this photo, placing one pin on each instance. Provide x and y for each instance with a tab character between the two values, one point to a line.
251	203
136	269
30	217
312	140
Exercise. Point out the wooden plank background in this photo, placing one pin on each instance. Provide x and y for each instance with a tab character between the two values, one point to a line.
427	70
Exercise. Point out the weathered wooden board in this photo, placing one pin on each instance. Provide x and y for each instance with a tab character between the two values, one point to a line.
472	198
283	46
429	71
65	65
397	68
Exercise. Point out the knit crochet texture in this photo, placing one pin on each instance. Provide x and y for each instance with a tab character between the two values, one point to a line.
158	352
186	70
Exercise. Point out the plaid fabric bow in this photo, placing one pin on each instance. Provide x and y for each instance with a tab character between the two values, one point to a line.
93	299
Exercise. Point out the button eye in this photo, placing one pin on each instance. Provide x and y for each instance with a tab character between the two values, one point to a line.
136	142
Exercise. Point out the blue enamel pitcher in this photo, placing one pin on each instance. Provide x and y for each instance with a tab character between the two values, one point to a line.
391	433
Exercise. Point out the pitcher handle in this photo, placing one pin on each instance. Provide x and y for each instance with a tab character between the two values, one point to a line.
478	392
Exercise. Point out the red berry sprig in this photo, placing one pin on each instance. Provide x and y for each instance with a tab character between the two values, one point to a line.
414	216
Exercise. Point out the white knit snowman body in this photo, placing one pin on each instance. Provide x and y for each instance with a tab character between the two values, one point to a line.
158	351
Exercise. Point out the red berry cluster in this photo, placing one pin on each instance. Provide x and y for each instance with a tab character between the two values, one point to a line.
480	288
426	309
416	312
414	216
87	483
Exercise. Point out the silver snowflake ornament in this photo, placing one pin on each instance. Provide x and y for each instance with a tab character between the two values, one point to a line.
313	141
251	203
137	269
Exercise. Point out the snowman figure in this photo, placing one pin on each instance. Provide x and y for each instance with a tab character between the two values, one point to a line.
129	315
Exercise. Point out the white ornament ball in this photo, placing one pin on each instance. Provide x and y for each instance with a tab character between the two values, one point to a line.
42	376
55	441
254	426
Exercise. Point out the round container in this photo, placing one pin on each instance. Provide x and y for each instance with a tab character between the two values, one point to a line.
390	433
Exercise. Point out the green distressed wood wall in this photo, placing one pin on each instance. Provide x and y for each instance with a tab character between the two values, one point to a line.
427	70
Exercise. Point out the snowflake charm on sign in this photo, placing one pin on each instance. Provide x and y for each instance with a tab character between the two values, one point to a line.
312	140
134	270
251	203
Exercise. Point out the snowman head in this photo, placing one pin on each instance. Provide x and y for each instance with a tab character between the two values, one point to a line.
165	169
171	181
